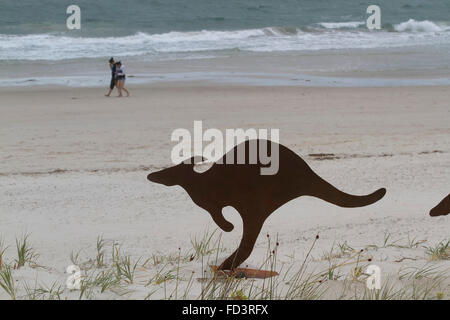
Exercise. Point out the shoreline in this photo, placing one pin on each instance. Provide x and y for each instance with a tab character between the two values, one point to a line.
230	78
408	66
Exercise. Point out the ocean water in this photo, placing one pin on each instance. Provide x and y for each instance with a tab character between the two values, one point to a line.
155	30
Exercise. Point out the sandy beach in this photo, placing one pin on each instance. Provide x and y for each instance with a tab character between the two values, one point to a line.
74	166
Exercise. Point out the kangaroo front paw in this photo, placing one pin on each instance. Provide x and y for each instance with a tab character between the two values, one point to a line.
227	227
222	223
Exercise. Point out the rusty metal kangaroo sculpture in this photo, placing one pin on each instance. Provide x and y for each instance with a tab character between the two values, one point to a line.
442	209
253	195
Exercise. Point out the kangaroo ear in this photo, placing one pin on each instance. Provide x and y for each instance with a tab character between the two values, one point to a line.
203	166
194	160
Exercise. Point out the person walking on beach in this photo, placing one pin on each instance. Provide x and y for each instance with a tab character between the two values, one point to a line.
112	66
120	71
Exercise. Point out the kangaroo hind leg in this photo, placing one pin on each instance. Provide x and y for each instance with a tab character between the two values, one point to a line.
250	233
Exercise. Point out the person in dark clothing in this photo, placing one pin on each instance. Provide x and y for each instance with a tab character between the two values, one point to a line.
112	65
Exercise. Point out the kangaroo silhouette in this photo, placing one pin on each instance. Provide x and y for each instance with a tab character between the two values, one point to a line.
253	195
442	209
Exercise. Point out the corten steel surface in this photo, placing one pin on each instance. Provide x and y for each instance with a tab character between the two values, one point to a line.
442	209
253	195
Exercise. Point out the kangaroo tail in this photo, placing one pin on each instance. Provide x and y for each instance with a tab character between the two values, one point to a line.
325	191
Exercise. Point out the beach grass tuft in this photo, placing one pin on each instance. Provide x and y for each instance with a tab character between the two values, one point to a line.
439	252
7	282
25	253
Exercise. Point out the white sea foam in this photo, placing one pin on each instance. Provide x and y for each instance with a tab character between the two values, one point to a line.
419	26
342	35
342	25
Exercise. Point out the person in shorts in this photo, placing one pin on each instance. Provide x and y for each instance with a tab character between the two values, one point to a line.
120	77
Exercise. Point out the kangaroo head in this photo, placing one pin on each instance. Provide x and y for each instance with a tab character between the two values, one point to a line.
176	175
442	209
